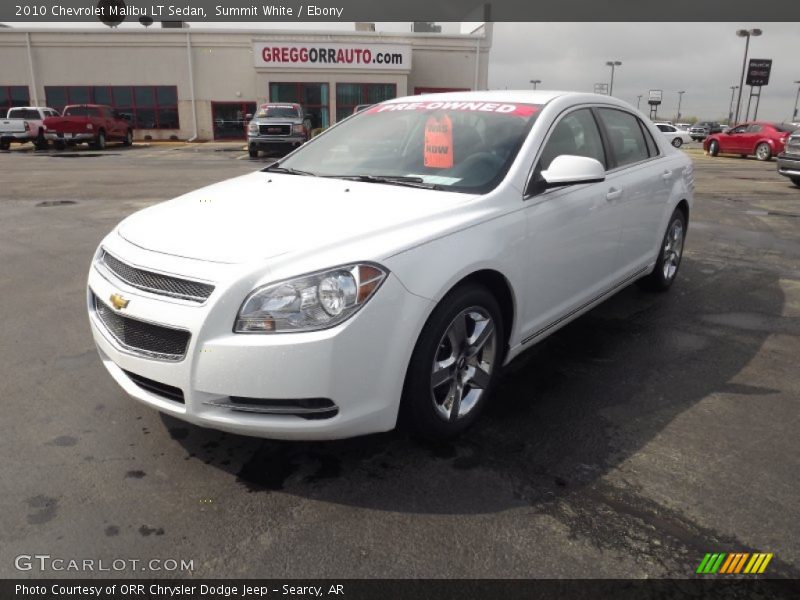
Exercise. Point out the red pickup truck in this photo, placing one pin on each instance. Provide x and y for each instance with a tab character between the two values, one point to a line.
94	124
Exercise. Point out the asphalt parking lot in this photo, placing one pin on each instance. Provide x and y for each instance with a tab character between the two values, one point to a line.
649	432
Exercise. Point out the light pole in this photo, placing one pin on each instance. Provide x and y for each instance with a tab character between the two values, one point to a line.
613	64
535	82
730	108
680	98
796	98
745	33
638	101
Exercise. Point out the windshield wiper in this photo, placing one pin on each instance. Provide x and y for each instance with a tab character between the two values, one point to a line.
289	171
407	181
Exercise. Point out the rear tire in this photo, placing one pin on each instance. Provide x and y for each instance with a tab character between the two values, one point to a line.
763	152
677	142
128	138
5	145
100	140
455	363
40	143
669	256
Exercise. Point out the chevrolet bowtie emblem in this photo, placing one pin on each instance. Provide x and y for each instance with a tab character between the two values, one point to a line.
119	302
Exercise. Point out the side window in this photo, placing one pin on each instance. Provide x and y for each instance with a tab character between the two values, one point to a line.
576	134
664	128
652	147
754	129
740	129
625	136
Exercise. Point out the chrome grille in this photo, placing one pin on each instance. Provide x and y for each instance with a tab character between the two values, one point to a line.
275	129
140	337
154	387
157	283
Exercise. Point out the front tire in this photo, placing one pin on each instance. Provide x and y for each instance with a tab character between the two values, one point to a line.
253	151
763	151
669	258
128	138
677	142
713	148
455	364
796	181
40	143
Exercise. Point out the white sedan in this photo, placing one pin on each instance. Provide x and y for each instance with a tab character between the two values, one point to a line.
389	267
674	135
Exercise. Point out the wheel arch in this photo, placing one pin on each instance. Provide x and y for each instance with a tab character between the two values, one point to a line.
500	287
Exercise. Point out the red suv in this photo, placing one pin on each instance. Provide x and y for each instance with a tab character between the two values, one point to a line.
757	138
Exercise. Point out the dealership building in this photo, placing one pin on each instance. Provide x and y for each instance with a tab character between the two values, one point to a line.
189	83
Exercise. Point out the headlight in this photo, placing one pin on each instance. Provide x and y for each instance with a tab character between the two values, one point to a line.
253	128
301	129
309	302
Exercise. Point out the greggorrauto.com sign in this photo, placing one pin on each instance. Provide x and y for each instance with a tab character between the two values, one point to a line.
329	55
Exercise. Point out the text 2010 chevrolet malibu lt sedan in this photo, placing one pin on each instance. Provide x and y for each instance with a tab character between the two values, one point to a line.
390	266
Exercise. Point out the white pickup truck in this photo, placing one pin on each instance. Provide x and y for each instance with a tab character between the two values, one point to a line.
25	124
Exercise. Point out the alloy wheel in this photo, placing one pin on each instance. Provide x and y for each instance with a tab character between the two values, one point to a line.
463	363
673	249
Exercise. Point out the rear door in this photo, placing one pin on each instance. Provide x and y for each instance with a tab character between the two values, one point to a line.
643	181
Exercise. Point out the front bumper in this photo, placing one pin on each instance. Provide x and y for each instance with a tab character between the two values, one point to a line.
275	141
789	165
360	365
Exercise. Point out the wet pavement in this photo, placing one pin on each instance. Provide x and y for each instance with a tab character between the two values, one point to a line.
652	430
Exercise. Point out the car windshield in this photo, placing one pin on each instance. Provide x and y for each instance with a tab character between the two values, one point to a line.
80	111
281	112
455	145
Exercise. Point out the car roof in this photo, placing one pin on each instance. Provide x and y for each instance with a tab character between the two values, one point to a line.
30	108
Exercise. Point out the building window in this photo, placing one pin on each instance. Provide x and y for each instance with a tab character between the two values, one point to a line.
350	95
149	106
230	119
11	96
437	90
312	96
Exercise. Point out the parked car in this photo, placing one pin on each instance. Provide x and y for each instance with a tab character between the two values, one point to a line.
759	138
702	130
684	126
789	159
676	137
282	126
389	267
94	124
25	124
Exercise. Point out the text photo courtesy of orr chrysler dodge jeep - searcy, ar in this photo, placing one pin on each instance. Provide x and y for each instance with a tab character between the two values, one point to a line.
387	269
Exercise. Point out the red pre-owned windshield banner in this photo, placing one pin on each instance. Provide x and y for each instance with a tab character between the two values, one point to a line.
506	108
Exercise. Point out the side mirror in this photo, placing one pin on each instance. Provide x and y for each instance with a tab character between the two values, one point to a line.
571	170
248	117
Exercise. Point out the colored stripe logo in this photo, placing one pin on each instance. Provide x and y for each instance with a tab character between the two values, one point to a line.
734	563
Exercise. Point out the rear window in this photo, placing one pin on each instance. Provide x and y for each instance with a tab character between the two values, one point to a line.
785	127
81	111
625	135
23	113
279	112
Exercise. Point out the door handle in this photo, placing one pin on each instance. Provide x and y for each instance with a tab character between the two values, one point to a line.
613	194
666	175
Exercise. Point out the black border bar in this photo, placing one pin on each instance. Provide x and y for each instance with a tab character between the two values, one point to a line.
74	11
711	588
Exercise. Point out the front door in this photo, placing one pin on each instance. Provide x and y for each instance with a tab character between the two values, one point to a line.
573	232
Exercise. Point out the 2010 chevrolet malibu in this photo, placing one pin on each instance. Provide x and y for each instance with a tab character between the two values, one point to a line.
389	267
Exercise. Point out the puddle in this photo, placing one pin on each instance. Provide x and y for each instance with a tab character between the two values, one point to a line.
48	203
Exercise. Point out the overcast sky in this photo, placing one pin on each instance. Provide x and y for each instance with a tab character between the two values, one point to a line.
704	59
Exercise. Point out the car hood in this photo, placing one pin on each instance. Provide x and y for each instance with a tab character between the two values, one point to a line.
264	215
